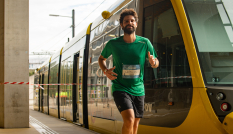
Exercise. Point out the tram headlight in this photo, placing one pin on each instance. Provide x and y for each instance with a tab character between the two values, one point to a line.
225	106
220	96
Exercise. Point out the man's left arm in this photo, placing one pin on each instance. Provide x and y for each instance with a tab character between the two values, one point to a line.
154	62
152	55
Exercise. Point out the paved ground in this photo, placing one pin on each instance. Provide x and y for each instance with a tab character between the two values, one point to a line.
44	124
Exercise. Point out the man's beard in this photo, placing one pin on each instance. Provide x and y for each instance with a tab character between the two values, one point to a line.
128	30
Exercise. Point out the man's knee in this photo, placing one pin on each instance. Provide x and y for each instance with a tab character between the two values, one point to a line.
129	122
136	122
128	117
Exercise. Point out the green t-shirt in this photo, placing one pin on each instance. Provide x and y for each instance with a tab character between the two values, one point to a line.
128	58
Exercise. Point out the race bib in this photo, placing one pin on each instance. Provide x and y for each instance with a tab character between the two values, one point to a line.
131	71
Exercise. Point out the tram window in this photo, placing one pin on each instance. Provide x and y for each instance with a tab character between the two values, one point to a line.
97	43
111	35
96	49
105	80
121	32
211	22
94	69
147	29
162	29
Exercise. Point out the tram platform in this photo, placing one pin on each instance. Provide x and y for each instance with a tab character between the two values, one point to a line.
41	123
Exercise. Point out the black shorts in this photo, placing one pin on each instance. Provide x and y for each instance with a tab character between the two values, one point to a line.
126	101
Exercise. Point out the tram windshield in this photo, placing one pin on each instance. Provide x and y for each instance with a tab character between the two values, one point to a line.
211	22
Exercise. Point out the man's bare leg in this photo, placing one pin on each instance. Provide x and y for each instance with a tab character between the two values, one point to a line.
128	121
135	125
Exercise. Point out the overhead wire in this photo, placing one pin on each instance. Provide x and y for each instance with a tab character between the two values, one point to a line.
75	26
91	12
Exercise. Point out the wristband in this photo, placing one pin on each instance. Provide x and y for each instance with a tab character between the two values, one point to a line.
105	70
153	65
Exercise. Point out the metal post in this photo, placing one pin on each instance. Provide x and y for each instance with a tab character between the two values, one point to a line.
73	26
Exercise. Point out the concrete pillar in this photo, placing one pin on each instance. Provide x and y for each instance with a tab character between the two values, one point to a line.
1	62
14	66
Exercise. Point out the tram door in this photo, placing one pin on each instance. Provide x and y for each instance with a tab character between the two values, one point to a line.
66	90
168	88
78	93
63	90
79	81
36	92
41	92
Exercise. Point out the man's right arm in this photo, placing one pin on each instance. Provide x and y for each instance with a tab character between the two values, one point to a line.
108	72
102	63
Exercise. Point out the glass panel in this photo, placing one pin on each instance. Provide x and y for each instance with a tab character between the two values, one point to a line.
36	92
80	87
147	28
148	13
168	88
111	35
62	87
66	90
95	87
45	94
108	104
68	94
41	92
53	89
211	21
99	87
173	70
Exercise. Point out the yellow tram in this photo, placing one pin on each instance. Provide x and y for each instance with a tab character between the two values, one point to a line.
189	93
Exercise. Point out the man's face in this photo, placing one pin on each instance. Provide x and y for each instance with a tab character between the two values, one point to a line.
129	24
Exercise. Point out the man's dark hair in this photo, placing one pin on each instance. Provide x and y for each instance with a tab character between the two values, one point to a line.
126	12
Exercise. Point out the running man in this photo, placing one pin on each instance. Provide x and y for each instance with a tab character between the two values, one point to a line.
129	53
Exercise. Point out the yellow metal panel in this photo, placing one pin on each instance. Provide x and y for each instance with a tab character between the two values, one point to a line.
39	69
197	121
89	29
118	127
90	122
196	73
53	112
50	59
209	109
69	116
228	123
36	108
189	44
103	126
61	51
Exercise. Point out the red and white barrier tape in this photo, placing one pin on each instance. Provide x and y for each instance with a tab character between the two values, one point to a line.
20	83
57	84
69	84
27	83
40	87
